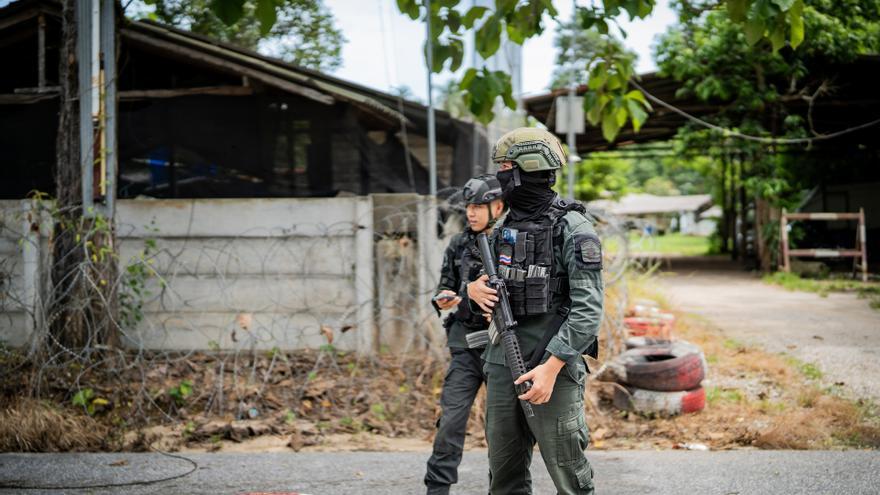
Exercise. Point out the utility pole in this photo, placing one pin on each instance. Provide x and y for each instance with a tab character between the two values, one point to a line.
432	154
572	88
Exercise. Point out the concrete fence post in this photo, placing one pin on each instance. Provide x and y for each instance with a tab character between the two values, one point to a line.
429	269
30	252
363	276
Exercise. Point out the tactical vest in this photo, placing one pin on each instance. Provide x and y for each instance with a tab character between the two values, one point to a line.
527	253
467	265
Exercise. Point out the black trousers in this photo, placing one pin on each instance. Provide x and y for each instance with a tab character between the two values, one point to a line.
463	380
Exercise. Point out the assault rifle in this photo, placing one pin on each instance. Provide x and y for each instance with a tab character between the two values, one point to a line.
505	324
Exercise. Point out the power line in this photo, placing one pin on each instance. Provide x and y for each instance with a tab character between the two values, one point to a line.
400	111
759	139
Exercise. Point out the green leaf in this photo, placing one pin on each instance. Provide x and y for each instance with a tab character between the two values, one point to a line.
636	113
439	54
83	397
610	127
645	8
488	37
615	82
409	7
473	15
598	76
796	16
754	29
515	35
456	50
468	78
621	114
777	36
265	12
784	5
638	96
453	20
736	9
229	11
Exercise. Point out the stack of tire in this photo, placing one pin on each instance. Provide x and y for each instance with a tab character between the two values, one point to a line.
658	377
646	319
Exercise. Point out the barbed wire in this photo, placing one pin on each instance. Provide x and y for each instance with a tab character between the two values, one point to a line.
229	307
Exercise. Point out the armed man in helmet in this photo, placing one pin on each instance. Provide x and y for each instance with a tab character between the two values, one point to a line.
466	332
551	260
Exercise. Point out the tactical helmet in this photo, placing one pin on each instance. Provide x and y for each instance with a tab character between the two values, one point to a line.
481	190
532	149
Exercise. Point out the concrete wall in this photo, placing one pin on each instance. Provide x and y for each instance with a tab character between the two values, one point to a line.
13	314
234	273
271	272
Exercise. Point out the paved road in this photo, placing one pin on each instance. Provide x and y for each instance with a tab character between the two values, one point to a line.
621	473
839	333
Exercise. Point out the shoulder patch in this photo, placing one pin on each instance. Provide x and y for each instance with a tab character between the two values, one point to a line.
588	251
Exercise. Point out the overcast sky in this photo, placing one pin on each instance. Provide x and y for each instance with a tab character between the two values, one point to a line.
384	46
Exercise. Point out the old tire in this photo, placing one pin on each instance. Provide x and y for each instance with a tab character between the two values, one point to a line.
633	342
654	403
665	368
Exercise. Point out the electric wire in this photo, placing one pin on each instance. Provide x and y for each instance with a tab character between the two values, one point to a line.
193	468
759	139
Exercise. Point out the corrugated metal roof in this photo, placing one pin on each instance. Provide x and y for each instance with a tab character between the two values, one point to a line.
145	32
645	204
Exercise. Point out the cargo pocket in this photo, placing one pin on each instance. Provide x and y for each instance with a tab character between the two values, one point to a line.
573	437
537	290
584	474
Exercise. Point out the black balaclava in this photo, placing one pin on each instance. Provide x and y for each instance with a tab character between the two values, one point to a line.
532	197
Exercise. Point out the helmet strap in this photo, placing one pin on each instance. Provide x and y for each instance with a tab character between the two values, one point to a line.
492	219
516	179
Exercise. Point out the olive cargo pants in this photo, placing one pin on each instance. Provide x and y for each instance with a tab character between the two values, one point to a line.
463	380
559	428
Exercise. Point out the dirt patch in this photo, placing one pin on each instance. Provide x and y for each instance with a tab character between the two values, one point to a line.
327	400
755	399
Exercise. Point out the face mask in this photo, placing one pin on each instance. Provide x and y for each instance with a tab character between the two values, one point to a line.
508	182
531	197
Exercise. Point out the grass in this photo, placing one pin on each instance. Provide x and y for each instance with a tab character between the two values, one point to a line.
754	398
823	287
685	245
809	370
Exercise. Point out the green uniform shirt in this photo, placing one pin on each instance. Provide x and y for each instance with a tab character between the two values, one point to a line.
579	331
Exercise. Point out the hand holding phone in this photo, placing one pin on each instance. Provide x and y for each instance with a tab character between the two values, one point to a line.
446	299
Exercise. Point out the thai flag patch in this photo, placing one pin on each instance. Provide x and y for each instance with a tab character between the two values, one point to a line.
504	259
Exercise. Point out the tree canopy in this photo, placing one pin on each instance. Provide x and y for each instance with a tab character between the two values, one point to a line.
709	54
611	102
575	49
299	31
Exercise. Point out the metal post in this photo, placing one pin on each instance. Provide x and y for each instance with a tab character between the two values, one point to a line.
572	88
783	242
432	158
863	241
108	49
572	142
84	80
41	52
